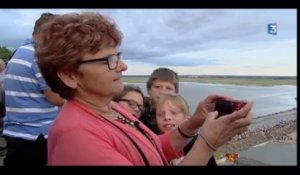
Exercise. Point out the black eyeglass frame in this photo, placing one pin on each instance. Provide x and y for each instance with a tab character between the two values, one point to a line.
141	107
107	58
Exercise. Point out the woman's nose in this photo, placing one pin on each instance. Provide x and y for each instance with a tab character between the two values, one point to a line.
122	65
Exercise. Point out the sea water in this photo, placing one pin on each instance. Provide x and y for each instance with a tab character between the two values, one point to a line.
267	99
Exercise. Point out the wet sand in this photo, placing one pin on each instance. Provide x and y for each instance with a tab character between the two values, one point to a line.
278	127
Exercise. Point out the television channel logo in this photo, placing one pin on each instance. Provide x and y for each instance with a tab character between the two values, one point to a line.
272	29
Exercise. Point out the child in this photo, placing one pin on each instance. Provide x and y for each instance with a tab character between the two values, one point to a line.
171	110
132	99
162	80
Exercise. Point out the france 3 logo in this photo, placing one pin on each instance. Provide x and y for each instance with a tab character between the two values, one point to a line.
272	28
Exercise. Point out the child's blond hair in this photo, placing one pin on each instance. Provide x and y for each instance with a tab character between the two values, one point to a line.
175	99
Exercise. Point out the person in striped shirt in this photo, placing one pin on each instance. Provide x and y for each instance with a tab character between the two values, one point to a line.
30	105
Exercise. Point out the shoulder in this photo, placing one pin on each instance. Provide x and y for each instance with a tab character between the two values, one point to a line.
27	46
75	117
24	55
26	50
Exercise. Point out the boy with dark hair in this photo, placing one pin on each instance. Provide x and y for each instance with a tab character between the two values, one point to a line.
162	80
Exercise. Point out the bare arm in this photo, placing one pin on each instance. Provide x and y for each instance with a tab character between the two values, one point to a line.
54	98
191	126
216	131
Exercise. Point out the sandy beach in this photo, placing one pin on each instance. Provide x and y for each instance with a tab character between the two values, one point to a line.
278	127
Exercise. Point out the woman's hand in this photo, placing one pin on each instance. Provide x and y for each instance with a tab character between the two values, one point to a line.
218	131
204	108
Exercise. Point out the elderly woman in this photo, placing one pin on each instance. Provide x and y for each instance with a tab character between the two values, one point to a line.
79	58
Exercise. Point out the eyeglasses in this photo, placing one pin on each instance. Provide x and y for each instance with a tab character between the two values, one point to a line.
111	60
133	104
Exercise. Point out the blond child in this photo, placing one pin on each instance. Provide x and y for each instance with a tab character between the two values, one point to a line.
171	110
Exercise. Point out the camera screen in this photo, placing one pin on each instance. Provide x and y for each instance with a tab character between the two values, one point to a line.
224	107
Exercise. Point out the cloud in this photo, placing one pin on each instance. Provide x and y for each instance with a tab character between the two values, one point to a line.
174	32
182	61
182	37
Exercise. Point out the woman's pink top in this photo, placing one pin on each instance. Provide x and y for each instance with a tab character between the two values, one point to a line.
80	136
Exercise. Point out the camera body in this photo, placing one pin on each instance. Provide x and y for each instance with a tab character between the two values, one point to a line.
227	107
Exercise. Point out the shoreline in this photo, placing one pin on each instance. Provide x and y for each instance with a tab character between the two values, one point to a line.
224	79
278	127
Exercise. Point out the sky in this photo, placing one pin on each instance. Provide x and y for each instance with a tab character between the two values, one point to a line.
189	41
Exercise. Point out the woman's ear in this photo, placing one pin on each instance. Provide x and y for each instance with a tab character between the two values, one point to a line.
69	79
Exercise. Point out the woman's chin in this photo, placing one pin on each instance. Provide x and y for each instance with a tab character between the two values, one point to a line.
118	88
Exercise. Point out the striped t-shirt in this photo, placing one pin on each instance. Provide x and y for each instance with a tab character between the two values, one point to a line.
28	112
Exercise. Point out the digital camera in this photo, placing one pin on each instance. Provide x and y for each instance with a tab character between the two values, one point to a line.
228	106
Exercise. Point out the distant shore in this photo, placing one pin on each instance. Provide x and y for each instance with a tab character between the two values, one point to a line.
257	81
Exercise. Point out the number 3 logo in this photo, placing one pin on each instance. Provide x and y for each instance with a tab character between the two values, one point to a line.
272	29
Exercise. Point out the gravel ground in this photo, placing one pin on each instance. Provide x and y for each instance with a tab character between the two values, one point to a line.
278	127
